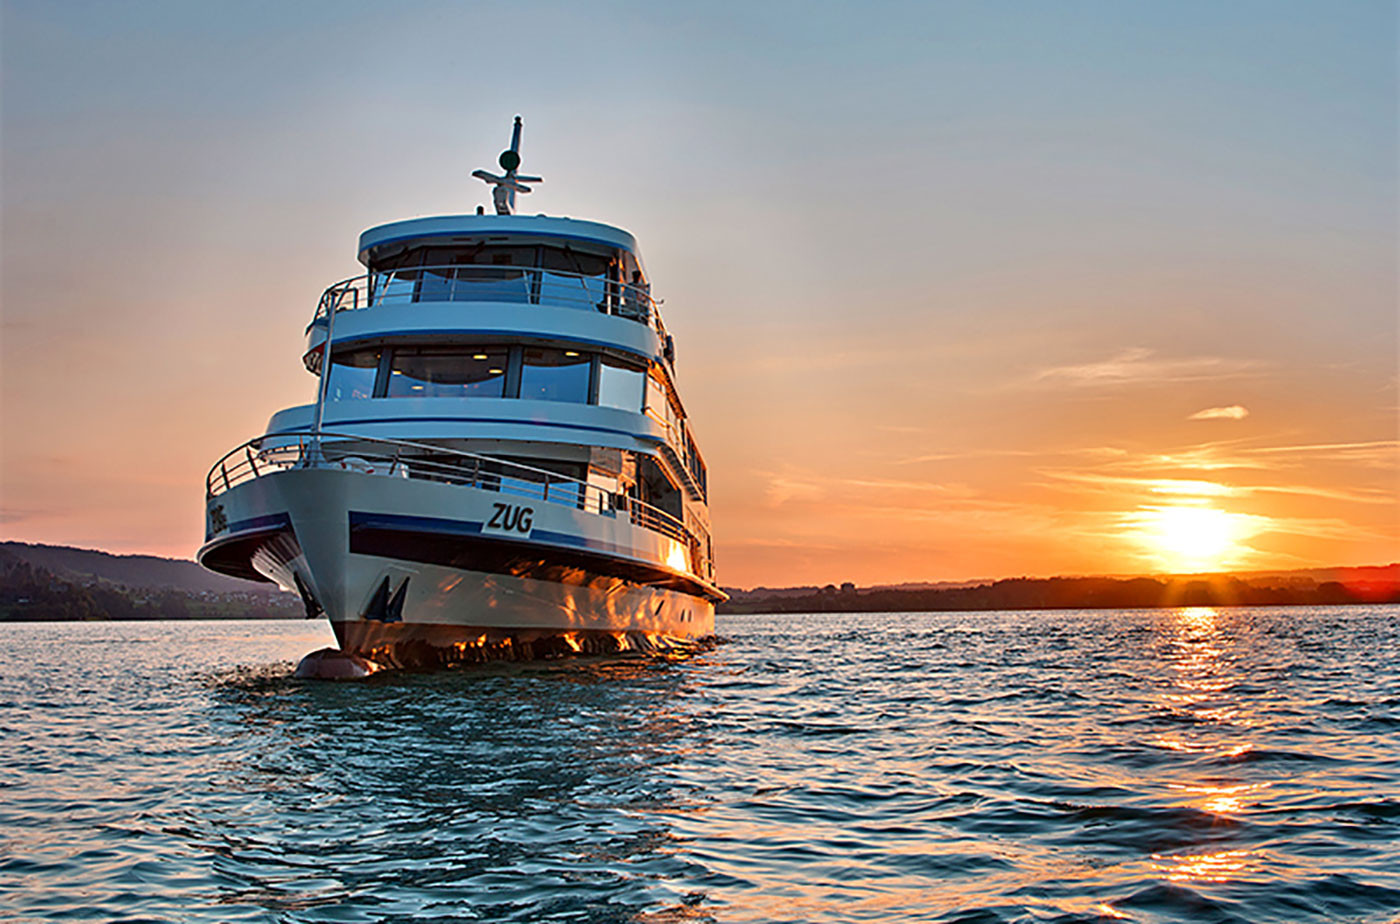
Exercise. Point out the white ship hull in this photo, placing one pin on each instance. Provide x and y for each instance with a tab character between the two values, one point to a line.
414	572
497	463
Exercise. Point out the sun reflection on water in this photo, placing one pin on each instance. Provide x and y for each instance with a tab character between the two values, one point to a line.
1218	866
1221	799
1203	651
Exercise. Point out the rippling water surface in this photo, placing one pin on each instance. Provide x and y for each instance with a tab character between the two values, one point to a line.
1166	765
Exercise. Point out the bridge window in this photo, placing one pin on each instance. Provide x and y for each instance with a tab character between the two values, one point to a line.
352	375
448	373
587	276
554	375
575	279
471	283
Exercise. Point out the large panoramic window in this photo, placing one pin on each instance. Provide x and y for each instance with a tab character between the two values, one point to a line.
451	372
554	375
352	375
558	273
486	273
621	385
472	283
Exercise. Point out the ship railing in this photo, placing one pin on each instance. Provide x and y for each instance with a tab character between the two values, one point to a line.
394	458
488	283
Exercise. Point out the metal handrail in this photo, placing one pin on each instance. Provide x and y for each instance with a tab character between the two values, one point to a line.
451	283
357	452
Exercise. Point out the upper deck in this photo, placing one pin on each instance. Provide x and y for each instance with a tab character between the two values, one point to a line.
521	299
441	264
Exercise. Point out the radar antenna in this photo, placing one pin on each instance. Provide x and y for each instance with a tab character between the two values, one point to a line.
505	187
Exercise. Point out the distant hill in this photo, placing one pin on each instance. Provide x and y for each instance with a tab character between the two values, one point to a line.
1363	573
132	571
58	583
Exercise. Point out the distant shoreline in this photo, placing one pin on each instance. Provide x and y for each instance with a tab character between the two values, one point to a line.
1364	586
727	612
44	583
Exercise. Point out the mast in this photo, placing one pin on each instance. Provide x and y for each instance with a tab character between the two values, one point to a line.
506	186
512	164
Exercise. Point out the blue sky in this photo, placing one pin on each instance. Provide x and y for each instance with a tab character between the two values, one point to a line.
884	231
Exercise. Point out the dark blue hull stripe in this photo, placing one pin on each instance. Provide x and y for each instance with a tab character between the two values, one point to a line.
545	556
263	522
473	528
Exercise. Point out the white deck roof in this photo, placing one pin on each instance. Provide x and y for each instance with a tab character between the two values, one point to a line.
449	226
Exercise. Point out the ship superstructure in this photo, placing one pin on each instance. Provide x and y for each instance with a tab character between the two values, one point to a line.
497	462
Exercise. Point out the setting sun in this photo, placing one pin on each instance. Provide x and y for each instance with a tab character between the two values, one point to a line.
1190	537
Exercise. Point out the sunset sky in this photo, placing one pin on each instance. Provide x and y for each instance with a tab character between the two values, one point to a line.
960	289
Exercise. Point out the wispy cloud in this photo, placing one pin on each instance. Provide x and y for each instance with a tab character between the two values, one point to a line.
1237	454
1176	487
1233	412
806	544
1361	496
1381	453
1096	482
782	489
799	486
967	454
1141	365
886	484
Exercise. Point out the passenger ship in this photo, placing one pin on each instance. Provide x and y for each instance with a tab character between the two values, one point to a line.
497	463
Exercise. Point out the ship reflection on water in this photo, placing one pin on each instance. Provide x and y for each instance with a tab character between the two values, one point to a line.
522	784
419	647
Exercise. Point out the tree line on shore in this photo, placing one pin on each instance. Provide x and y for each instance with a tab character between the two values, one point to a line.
30	593
1069	593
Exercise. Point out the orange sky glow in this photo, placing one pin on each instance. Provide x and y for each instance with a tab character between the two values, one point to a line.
1017	307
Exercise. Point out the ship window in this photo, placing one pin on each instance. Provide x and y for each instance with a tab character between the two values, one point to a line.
621	385
448	373
555	375
394	287
574	279
352	375
482	255
404	259
475	283
568	260
655	487
657	402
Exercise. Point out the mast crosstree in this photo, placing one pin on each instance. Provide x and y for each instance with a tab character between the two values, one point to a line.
505	187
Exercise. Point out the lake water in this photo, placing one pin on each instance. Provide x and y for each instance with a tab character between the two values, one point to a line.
1166	765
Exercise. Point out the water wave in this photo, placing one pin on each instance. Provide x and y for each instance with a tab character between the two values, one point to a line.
1151	766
